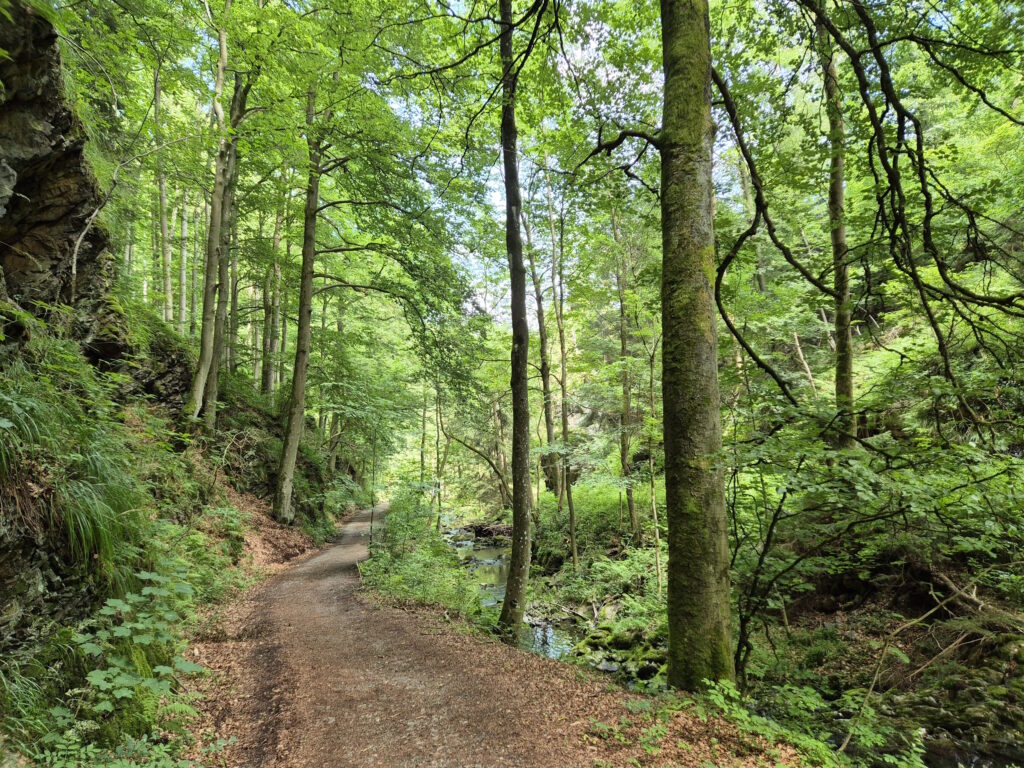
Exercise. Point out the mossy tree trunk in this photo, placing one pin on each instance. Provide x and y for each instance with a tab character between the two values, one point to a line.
700	644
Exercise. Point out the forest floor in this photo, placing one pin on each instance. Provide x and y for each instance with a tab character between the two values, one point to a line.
310	671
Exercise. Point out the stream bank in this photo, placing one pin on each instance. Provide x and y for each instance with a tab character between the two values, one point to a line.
485	551
957	703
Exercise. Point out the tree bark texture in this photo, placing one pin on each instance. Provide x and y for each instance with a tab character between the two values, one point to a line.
700	644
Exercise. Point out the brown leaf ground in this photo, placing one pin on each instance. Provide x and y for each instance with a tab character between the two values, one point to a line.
312	672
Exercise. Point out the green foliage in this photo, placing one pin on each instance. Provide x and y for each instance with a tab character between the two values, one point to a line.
64	453
408	373
412	562
116	677
724	698
129	508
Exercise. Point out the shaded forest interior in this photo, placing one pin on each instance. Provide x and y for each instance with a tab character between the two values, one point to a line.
681	342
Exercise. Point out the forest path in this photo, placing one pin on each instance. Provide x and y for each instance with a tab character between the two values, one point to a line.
316	674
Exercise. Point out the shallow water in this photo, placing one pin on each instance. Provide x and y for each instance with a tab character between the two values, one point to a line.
489	565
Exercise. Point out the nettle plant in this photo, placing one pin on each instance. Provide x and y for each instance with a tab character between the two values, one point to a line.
131	649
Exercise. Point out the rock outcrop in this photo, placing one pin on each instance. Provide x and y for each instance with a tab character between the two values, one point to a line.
48	194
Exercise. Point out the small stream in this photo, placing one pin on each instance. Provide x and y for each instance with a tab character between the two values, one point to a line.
488	562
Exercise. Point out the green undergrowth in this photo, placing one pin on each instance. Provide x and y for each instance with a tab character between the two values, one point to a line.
616	580
410	561
114	532
247	449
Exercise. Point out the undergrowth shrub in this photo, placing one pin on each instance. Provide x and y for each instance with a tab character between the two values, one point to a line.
411	561
65	467
126	508
106	687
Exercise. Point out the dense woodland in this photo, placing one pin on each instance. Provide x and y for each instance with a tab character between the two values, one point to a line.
710	317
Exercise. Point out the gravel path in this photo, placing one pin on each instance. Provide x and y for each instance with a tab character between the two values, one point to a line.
314	674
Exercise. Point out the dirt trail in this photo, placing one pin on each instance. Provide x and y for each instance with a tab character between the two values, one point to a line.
315	674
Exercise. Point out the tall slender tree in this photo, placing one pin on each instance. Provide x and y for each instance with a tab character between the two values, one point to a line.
626	415
844	426
161	183
519	562
548	462
183	266
221	174
283	509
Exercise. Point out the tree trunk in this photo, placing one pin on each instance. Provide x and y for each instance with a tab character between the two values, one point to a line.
650	467
558	299
257	351
229	215
423	449
271	313
625	418
183	265
332	456
221	172
129	247
266	374
282	312
548	461
844	424
154	252
519	562
700	645
749	206
195	272
441	459
276	329
233	322
223	297
560	457
297	404
500	459
567	478
161	183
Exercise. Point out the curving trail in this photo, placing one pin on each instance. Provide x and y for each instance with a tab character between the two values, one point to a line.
312	674
326	677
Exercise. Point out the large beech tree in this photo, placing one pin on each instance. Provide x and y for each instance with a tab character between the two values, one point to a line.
700	644
297	402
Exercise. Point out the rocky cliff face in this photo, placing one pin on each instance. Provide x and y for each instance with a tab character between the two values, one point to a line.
47	191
